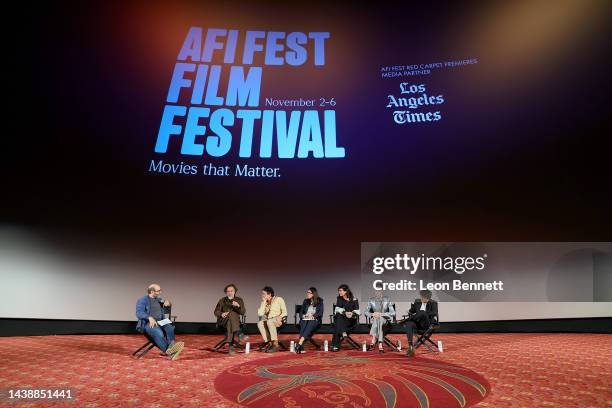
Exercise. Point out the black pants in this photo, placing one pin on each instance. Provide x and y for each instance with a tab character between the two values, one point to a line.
420	321
342	324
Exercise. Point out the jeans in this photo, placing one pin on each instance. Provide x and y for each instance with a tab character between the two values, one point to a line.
308	327
162	335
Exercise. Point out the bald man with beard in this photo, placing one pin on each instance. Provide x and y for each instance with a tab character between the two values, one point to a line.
150	310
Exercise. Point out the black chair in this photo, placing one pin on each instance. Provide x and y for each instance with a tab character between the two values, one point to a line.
226	341
424	335
296	321
354	344
145	348
387	329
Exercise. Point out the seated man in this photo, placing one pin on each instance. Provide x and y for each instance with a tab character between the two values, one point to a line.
421	312
271	313
228	312
150	310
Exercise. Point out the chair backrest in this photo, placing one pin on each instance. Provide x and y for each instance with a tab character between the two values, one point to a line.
296	315
436	316
167	312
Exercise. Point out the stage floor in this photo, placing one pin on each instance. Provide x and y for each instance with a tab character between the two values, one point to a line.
483	370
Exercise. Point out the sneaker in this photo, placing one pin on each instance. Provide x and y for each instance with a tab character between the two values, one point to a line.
410	350
174	346
264	346
177	351
231	351
272	349
335	349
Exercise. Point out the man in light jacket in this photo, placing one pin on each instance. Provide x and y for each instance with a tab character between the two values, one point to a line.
271	313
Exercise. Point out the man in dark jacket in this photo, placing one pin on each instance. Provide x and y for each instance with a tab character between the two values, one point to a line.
421	312
149	311
228	312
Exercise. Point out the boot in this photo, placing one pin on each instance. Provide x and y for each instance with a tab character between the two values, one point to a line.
273	348
242	338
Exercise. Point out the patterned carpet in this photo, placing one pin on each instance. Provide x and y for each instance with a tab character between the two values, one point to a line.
511	370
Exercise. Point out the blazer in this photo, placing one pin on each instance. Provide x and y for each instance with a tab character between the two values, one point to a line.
318	313
143	311
431	309
225	305
277	308
387	308
348	305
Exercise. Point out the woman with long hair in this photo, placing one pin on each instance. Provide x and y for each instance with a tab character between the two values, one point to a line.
311	317
346	315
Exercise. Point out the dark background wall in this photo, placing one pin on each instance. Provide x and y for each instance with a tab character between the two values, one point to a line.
522	153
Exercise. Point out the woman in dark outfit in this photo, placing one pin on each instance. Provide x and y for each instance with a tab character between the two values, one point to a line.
311	316
345	314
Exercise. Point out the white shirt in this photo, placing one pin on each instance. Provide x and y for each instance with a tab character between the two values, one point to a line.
423	306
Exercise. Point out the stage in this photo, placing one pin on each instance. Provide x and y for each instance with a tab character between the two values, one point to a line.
483	370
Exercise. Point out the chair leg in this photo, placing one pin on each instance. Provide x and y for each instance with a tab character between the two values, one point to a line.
389	343
141	348
142	351
220	344
424	339
420	341
352	342
314	343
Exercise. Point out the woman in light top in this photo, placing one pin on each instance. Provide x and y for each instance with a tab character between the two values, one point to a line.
380	311
311	316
